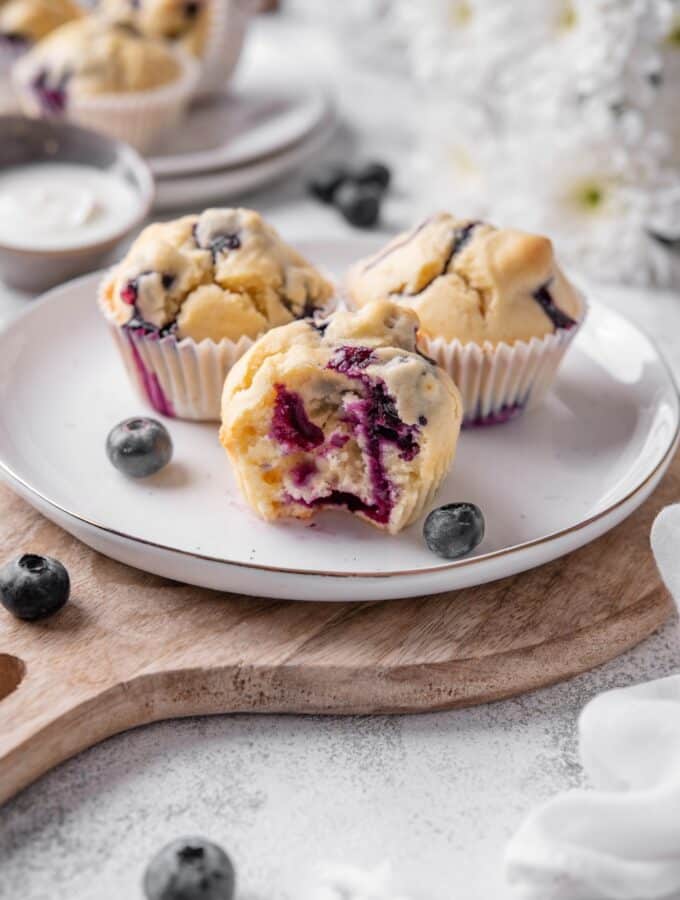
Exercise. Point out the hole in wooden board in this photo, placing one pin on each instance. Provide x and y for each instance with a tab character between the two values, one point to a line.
12	671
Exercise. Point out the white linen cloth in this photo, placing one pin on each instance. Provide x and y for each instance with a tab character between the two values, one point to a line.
620	841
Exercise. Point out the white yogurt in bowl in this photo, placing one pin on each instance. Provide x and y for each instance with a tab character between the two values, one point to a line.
68	197
58	206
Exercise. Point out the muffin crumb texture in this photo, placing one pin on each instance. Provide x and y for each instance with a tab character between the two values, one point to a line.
223	274
341	414
471	282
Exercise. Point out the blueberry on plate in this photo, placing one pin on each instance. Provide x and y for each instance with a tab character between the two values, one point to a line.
454	530
324	184
33	587
375	173
139	447
190	869
359	203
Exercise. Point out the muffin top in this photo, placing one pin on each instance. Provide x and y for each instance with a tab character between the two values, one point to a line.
25	22
470	281
343	413
89	57
223	274
173	20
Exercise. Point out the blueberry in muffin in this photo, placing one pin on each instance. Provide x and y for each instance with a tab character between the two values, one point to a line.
344	414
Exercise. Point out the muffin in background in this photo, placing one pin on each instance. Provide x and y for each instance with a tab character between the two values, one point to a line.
25	22
213	31
191	296
495	309
22	24
106	77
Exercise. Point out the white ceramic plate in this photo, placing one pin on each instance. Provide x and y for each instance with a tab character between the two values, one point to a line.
547	483
199	190
238	128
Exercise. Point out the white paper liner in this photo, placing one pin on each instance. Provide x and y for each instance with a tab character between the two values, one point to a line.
9	104
181	379
499	381
137	118
9	55
223	44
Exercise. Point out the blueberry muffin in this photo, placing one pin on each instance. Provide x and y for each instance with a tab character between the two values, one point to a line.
202	288
108	77
25	22
212	30
346	414
184	21
495	308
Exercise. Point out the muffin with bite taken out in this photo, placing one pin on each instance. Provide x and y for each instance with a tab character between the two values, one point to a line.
341	414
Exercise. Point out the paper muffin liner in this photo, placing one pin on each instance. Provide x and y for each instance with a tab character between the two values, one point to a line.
9	104
180	379
9	54
227	24
137	118
183	378
499	381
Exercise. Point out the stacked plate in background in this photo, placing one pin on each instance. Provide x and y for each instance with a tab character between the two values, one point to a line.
252	135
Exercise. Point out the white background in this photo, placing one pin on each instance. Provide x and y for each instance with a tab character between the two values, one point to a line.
438	794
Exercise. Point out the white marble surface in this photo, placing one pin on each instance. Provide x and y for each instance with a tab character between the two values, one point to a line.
438	795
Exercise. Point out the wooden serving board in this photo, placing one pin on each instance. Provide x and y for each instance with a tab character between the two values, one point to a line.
132	648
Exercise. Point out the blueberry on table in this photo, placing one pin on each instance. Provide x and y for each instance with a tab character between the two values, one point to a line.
139	447
33	587
374	173
359	203
454	530
324	184
190	869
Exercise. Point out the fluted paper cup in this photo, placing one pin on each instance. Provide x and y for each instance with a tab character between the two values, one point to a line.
181	379
226	30
138	118
499	381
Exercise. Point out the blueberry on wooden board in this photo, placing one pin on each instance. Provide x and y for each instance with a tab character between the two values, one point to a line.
190	869
139	447
454	530
33	587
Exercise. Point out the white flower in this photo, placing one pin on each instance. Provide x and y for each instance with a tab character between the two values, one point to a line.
668	117
596	199
601	52
454	161
462	46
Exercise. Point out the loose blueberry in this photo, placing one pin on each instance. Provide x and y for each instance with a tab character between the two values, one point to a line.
324	184
190	869
34	587
374	173
359	203
454	530
139	447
